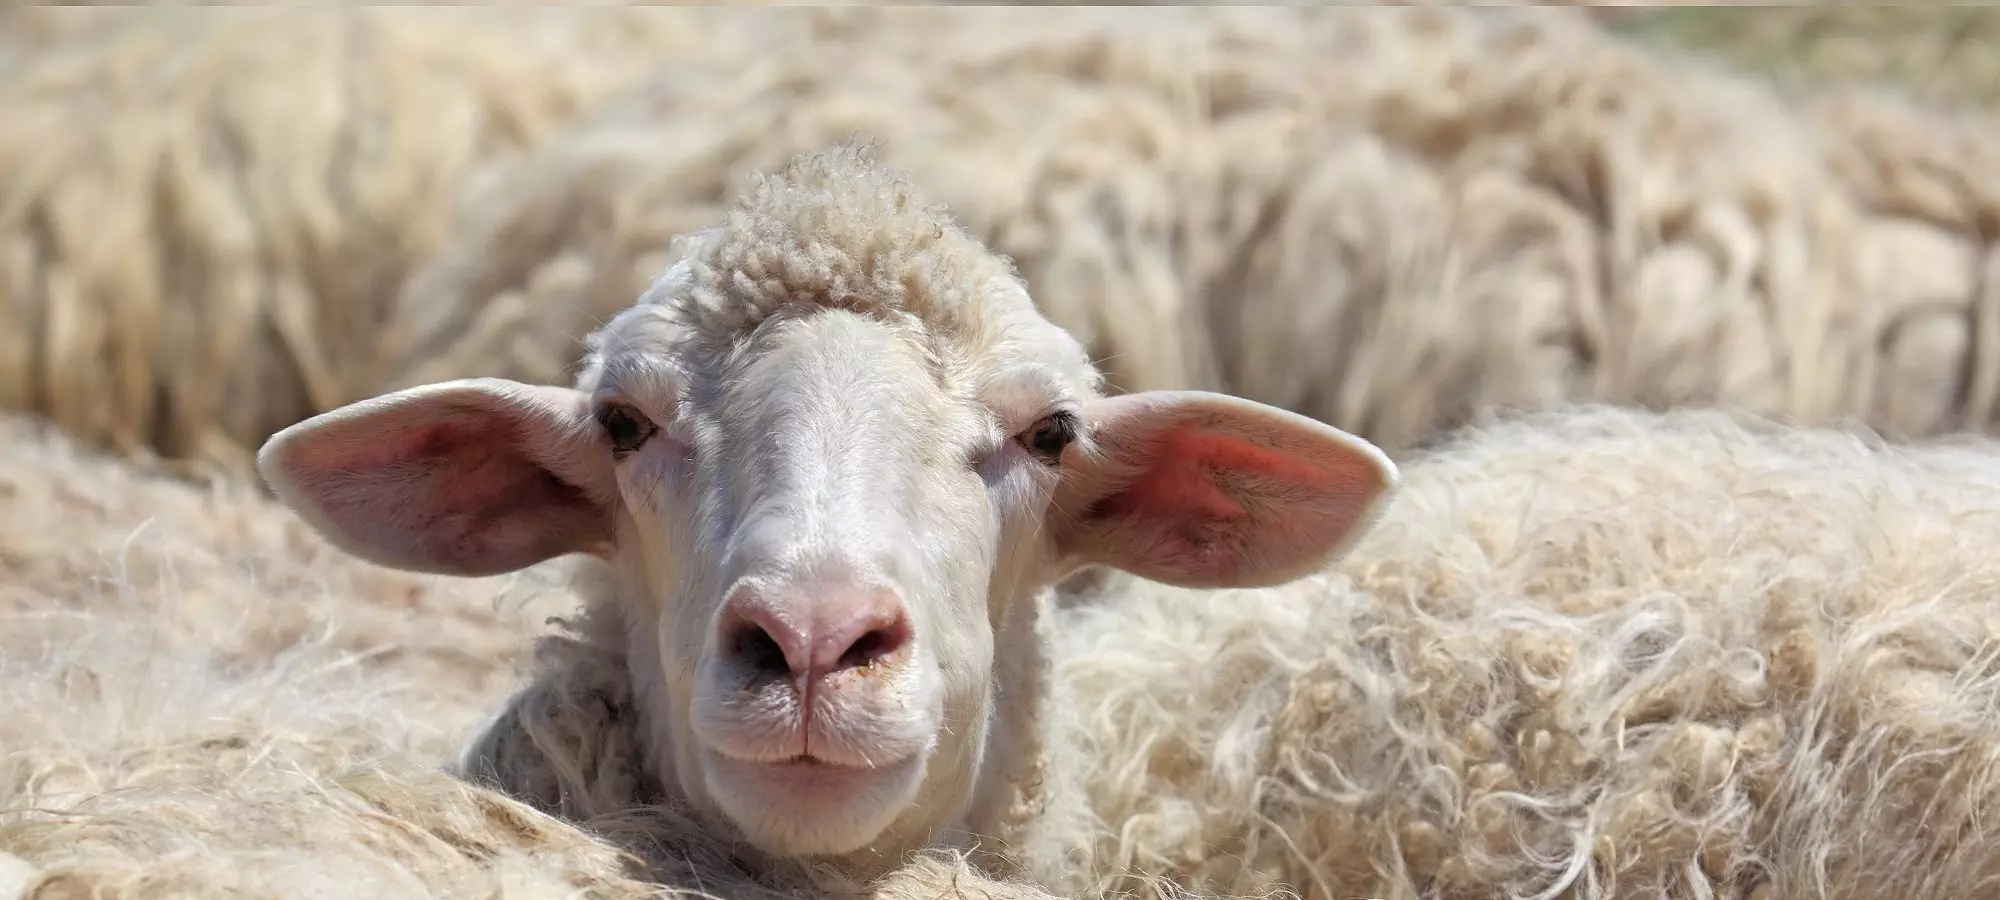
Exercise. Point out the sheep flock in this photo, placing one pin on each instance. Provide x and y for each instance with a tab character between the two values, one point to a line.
1677	387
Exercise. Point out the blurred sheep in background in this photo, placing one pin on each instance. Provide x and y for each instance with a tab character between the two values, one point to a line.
218	222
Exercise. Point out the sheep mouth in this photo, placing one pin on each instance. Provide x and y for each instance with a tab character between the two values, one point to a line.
814	762
830	755
809	760
813	781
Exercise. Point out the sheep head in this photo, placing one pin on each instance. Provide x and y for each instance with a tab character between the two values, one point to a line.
824	458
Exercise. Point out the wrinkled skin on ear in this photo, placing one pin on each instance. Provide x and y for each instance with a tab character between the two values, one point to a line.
1207	490
472	477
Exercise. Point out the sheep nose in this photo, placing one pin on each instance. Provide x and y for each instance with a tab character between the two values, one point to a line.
811	637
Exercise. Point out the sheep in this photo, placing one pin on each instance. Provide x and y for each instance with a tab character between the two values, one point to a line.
200	697
831	464
1592	652
1595	652
1389	220
1510	555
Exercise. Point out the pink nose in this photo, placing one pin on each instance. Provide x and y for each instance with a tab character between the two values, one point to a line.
812	636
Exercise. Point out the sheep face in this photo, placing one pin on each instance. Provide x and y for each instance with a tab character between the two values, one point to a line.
820	515
824	502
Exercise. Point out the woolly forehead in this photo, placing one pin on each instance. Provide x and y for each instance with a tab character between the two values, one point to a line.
1006	368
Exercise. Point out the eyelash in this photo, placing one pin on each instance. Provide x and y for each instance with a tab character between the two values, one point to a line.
625	427
1050	436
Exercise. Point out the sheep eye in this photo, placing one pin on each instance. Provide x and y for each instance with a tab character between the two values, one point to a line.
627	430
1051	436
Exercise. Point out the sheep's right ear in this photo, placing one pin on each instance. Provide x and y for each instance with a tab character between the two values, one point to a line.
472	477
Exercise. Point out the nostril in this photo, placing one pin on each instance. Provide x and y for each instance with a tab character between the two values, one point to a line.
761	642
759	652
811	636
875	644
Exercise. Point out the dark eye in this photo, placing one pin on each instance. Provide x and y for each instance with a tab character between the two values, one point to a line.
626	429
1051	436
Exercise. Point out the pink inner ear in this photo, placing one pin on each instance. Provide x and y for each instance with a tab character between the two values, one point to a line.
1212	509
462	490
1182	480
406	445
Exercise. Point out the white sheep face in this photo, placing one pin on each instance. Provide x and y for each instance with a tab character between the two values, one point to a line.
821	504
817	517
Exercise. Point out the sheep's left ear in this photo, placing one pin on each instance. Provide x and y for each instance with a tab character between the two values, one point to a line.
1207	490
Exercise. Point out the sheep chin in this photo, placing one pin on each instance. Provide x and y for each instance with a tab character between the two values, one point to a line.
806	807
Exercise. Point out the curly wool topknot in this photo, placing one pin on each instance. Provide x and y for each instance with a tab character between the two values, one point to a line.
837	228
